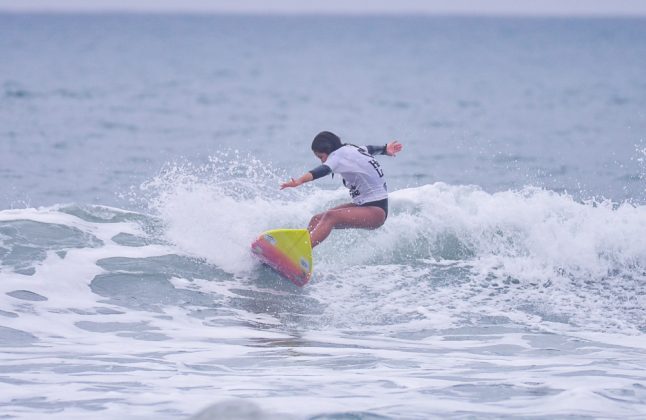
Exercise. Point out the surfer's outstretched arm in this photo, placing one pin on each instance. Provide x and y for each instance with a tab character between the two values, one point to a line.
390	149
316	173
298	181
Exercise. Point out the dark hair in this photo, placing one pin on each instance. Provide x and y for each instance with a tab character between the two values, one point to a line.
326	142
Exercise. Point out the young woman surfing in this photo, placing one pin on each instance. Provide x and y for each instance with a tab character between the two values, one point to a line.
361	173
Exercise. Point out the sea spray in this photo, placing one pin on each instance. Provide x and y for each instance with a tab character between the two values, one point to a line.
215	210
525	253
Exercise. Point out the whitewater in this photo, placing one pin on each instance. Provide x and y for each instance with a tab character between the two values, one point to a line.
514	303
141	155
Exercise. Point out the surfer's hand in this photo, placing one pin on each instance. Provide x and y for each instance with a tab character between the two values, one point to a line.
290	184
393	148
296	182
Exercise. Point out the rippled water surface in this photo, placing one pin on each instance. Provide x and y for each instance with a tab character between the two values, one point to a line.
141	155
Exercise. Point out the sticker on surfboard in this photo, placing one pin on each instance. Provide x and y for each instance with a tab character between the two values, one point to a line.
288	251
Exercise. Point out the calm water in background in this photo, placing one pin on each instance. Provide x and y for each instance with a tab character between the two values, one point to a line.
140	155
92	105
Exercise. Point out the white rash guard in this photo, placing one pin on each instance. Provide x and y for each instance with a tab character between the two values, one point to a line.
361	173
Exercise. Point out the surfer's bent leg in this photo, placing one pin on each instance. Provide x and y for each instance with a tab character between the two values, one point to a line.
314	221
343	217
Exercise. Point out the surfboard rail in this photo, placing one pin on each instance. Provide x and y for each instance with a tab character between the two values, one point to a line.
287	251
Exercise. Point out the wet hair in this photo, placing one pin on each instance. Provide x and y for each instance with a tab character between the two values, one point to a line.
326	142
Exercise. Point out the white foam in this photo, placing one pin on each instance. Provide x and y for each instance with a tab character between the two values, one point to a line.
357	343
555	254
534	233
208	213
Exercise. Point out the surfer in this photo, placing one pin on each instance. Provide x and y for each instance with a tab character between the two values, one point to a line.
361	173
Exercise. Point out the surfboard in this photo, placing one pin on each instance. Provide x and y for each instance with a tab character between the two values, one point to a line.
287	251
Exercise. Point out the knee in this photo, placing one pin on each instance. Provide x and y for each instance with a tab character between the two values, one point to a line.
325	217
316	219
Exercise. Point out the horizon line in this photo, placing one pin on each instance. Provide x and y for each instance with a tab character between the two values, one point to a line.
337	13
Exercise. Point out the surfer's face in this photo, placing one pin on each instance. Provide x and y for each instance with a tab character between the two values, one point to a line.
322	156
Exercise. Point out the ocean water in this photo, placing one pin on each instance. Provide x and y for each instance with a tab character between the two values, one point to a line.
141	154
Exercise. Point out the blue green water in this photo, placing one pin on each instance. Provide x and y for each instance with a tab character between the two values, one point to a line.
141	154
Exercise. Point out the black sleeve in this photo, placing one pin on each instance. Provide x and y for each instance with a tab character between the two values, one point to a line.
321	171
377	150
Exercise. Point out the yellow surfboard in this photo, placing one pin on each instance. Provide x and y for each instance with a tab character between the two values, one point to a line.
288	251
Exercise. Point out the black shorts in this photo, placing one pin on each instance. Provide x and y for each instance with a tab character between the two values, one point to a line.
382	204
